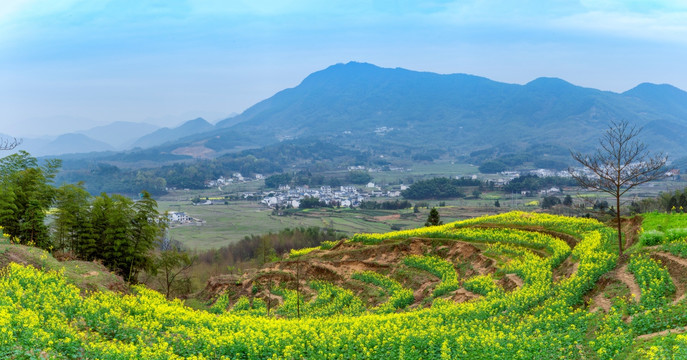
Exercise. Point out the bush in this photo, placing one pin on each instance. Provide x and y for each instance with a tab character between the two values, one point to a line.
673	235
651	237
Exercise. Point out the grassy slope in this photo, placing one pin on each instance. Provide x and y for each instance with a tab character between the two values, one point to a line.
86	275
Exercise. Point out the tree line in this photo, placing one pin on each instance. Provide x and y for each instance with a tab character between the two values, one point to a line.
386	205
439	188
535	183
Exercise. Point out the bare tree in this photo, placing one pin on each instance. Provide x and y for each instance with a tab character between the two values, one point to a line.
7	144
618	165
171	269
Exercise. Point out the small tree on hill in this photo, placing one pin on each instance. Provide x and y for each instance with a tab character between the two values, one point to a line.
618	165
433	219
171	267
497	203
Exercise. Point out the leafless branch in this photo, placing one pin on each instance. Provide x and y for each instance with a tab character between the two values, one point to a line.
7	144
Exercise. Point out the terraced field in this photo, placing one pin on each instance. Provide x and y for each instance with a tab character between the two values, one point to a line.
511	286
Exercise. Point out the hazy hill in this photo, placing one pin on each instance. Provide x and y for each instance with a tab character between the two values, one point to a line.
164	135
72	143
120	134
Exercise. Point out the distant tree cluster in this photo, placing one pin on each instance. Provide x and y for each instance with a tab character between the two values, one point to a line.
305	177
439	188
386	205
492	167
358	177
550	201
276	180
535	183
311	202
503	157
677	202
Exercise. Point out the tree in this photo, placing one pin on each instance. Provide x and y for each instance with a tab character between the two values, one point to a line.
567	201
147	230
497	203
619	164
70	225
171	268
433	218
549	202
26	194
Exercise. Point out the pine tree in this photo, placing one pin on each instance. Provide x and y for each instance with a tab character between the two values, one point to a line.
433	219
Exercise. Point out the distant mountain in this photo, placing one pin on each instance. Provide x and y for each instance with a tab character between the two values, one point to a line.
383	108
397	111
120	134
164	135
71	143
664	97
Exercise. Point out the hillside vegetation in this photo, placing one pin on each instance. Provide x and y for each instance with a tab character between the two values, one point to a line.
511	286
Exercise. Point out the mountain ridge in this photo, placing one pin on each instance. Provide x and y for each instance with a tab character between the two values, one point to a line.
361	105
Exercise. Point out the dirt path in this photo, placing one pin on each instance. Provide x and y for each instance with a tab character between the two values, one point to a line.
601	302
677	267
387	217
516	279
662	333
628	279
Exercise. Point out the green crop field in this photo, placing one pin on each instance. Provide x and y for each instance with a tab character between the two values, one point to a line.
663	221
224	224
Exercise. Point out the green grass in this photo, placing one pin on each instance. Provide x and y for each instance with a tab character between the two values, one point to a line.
663	222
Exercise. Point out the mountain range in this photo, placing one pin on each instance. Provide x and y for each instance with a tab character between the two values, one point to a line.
366	107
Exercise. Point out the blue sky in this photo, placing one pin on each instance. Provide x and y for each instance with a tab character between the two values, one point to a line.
67	65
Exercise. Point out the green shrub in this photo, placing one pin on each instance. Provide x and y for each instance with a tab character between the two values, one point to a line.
678	234
651	237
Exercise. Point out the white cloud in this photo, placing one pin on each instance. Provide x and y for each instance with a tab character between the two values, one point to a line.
655	26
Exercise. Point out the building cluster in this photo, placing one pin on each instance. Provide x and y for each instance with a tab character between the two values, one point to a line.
346	196
233	179
181	218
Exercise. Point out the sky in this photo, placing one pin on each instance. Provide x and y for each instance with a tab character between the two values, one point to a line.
68	65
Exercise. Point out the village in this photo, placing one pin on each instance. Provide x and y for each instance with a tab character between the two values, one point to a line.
353	195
